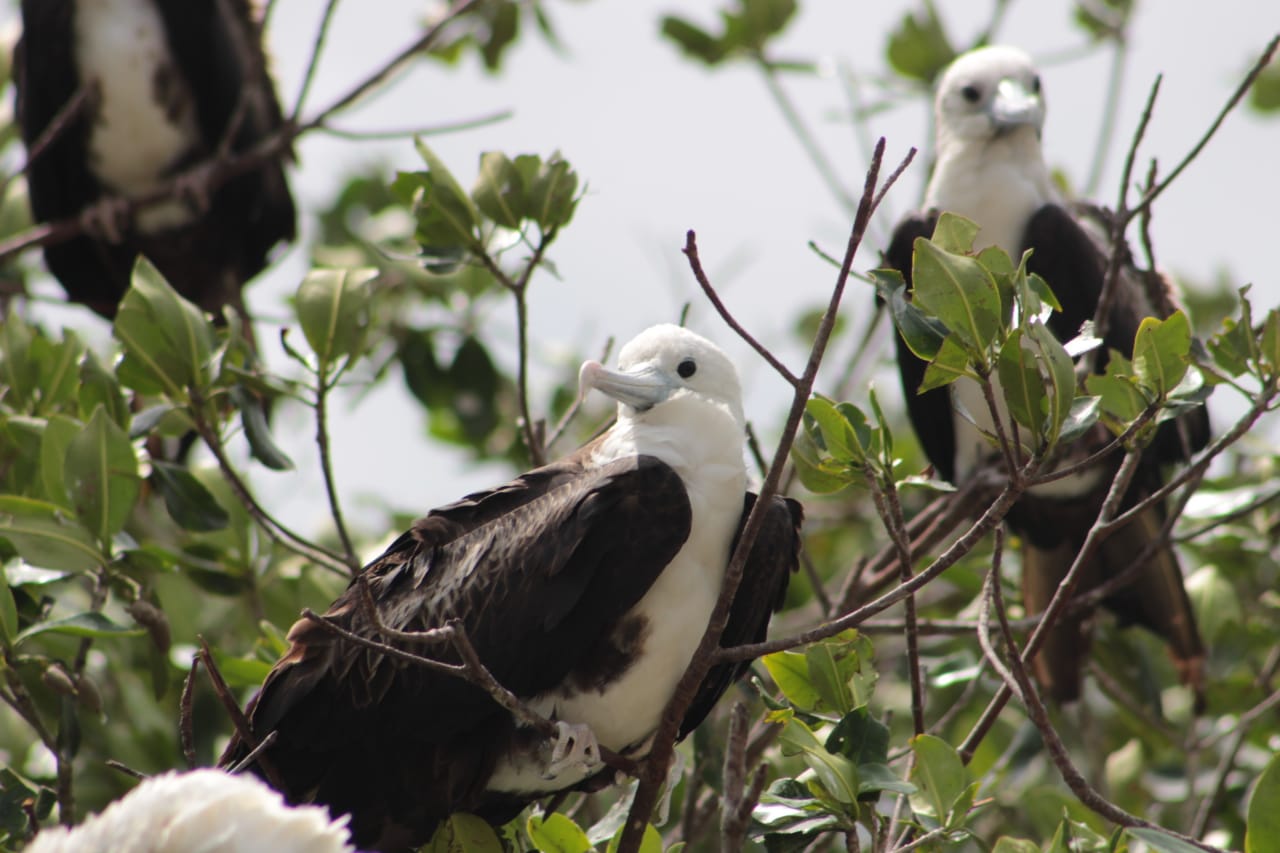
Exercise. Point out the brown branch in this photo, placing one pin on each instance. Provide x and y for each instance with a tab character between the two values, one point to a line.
655	765
1020	682
186	718
255	753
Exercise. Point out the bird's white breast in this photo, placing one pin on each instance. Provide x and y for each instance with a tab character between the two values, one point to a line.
145	122
676	608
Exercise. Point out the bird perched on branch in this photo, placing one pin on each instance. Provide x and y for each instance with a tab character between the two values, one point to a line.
584	588
989	113
116	99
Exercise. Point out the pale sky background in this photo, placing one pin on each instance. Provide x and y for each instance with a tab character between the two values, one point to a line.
666	145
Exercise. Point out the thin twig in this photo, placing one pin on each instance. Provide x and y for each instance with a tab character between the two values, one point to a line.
323	387
313	61
254	754
409	133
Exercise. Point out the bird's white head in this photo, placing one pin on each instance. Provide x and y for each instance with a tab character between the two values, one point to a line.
986	93
667	367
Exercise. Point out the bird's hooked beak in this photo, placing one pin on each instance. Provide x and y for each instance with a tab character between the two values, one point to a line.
1013	106
641	387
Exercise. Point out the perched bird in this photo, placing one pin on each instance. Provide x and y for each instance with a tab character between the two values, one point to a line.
989	112
204	811
163	86
584	587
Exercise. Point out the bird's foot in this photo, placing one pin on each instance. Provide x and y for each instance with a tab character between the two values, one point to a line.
107	219
576	749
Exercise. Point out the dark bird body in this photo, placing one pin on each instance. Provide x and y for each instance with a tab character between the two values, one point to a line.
583	587
991	170
167	86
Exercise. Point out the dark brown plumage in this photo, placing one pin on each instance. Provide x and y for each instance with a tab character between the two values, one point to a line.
210	91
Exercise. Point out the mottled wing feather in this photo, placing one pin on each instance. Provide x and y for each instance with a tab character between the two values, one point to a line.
774	557
537	571
930	413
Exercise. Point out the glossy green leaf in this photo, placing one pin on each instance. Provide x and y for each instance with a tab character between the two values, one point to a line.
837	432
694	41
837	774
1161	353
167	341
1161	842
445	213
19	374
826	677
189	503
552	191
949	364
939	776
650	842
1058	371
860	737
790	671
922	334
333	310
47	536
1262	826
1081	417
817	471
1214	601
87	624
101	476
1005	844
958	291
556	833
56	365
257	430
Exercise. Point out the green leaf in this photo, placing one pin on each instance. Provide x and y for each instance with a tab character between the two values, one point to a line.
958	291
499	190
87	624
464	833
1264	97
551	192
19	373
101	476
949	364
827	679
46	536
860	737
939	776
954	233
837	432
54	444
693	41
918	48
100	387
922	334
1269	350
333	310
1059	373
836	773
557	833
651	842
1262	826
168	341
18	573
257	430
1081	417
1023	387
790	671
1162	352
1005	844
1214	601
874	778
189	503
8	614
445	214
56	371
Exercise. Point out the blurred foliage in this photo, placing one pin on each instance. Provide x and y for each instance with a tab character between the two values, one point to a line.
117	558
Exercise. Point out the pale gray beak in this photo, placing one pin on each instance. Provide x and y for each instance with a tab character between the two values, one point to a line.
642	387
1013	106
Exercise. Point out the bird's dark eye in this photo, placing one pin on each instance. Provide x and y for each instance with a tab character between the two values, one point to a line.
971	93
686	368
1035	84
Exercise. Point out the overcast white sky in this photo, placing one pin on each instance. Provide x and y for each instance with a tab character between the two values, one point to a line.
666	146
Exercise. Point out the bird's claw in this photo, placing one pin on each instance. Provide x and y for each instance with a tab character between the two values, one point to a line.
575	748
107	220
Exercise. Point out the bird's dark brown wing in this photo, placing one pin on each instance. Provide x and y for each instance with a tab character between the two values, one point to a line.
218	49
774	556
537	571
930	413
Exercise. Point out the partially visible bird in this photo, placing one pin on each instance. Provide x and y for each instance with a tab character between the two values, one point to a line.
989	113
164	86
203	811
584	586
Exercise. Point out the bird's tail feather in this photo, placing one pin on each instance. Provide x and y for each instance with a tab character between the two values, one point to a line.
1156	599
